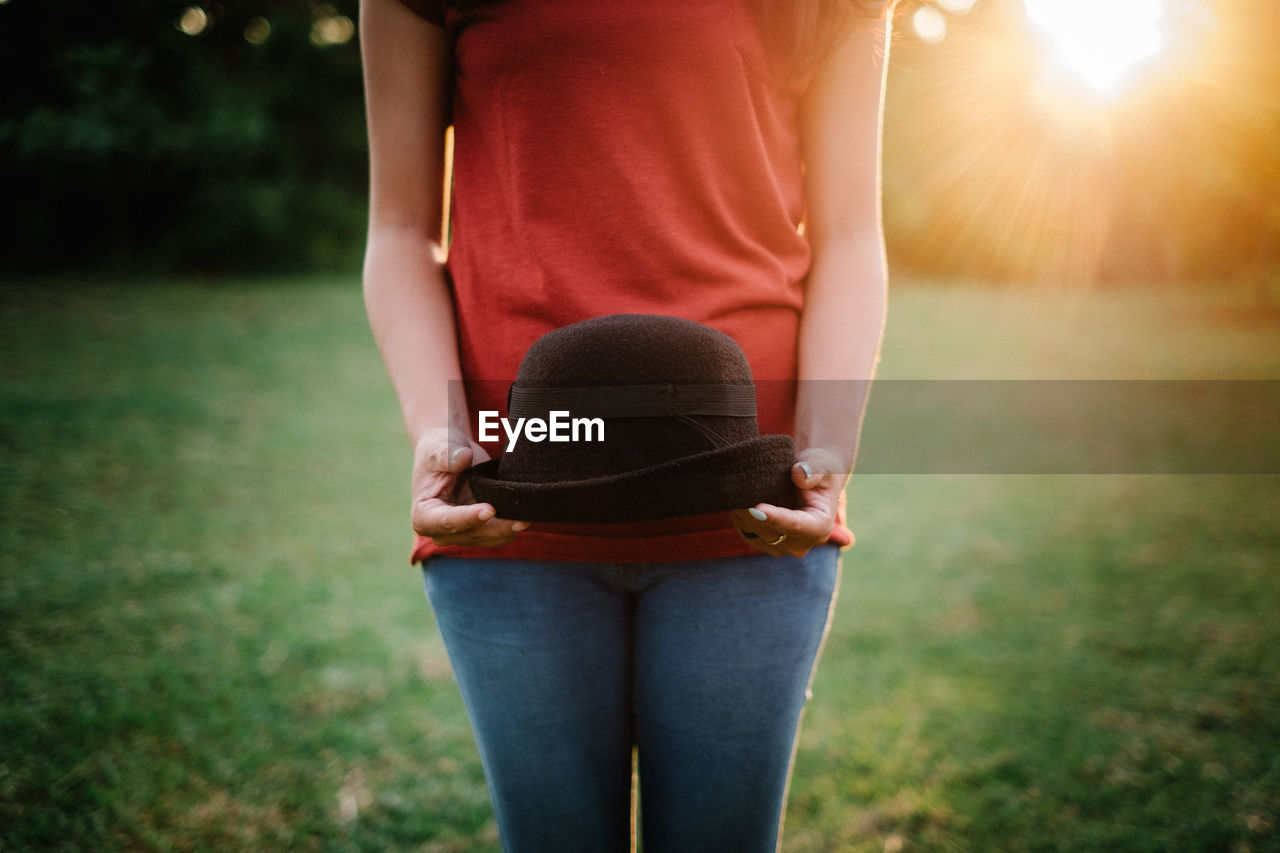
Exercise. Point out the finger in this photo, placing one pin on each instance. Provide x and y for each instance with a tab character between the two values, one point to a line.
802	475
433	516
768	522
749	529
810	522
459	460
437	454
778	530
757	543
758	531
751	523
496	531
780	545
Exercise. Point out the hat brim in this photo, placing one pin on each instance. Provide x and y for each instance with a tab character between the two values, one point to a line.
734	477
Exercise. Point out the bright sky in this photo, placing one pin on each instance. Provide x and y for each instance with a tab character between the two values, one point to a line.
1101	40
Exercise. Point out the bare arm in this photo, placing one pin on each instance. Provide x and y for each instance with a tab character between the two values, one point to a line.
845	300
406	66
844	314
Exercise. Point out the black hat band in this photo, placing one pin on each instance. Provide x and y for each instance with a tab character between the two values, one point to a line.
636	401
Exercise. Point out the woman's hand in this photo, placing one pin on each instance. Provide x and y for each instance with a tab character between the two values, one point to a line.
780	531
443	508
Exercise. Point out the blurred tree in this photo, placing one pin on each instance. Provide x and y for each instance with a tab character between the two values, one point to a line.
157	134
127	141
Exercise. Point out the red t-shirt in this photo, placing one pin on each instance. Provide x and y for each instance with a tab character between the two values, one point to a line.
625	156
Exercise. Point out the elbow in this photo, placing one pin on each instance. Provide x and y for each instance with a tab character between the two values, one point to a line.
837	226
392	240
858	242
396	253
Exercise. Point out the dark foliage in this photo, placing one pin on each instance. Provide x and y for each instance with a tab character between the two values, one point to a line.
126	142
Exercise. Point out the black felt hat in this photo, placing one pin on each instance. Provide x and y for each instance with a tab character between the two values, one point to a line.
677	405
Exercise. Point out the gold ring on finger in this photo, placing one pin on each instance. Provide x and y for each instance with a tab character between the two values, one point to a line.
782	537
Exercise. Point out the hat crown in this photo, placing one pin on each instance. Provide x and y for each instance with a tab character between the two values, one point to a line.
634	349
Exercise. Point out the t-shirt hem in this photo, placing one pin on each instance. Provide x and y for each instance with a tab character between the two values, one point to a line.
539	545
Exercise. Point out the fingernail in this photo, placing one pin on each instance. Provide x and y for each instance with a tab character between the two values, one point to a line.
517	526
455	456
757	514
487	513
808	472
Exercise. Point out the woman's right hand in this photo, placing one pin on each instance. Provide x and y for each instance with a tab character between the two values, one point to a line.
443	507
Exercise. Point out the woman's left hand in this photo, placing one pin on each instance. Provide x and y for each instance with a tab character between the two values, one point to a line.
780	531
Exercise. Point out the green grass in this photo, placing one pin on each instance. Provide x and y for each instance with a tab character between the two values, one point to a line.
210	638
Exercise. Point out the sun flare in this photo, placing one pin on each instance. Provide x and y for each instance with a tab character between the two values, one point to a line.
1101	40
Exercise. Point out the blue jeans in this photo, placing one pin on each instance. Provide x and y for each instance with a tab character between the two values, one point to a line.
703	667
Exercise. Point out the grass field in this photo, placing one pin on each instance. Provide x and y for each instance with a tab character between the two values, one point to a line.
211	639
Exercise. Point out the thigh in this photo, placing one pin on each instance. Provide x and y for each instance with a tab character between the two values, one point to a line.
724	653
541	652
